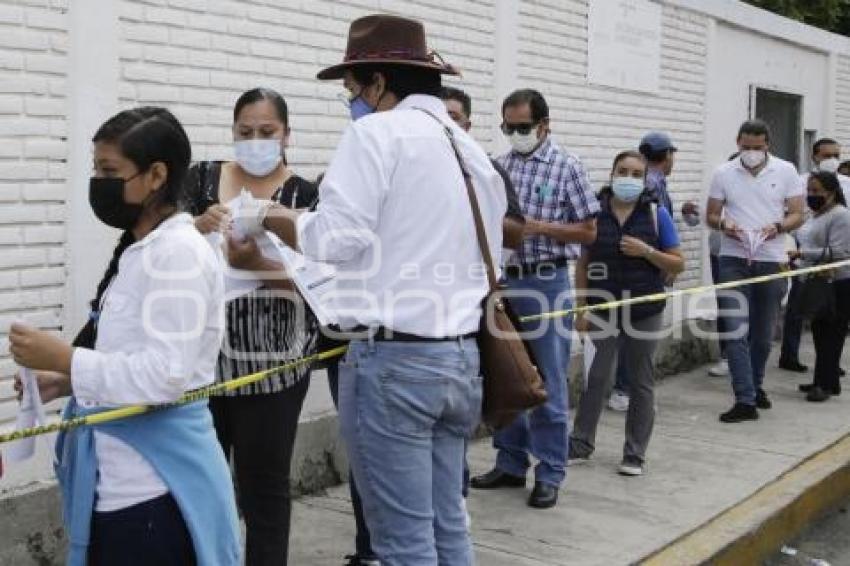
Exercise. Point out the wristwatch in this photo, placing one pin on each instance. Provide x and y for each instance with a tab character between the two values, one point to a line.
779	227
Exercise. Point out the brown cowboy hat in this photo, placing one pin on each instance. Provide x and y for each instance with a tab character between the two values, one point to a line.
382	38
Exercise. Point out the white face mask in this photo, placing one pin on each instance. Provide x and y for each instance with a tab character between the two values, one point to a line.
258	157
752	158
828	165
523	143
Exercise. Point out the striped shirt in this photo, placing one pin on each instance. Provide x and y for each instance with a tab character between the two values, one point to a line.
263	329
552	186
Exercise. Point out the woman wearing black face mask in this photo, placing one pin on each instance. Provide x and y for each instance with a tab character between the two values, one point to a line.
828	230
153	489
267	327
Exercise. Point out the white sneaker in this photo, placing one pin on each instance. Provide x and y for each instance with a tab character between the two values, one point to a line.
720	370
630	468
618	402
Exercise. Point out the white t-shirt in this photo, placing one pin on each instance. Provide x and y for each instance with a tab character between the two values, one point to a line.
753	202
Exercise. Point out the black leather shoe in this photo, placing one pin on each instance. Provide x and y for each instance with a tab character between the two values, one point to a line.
496	478
793	365
543	496
817	395
740	412
807	387
762	401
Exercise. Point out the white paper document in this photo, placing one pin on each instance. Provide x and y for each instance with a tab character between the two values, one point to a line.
589	354
315	281
752	240
30	414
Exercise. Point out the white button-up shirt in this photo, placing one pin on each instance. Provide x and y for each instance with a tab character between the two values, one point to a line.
755	201
394	216
159	334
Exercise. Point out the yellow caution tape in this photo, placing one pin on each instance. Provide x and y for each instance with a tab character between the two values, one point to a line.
218	388
689	291
190	397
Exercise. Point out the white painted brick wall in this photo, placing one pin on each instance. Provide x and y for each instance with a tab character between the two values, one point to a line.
197	57
597	122
842	104
33	50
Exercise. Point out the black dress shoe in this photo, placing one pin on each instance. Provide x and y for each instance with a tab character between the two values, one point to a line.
496	478
543	496
740	412
762	401
841	372
817	395
807	387
793	365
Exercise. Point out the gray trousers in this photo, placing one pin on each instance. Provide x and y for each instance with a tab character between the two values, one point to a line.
638	356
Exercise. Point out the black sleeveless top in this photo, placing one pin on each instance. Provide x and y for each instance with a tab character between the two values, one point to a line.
263	330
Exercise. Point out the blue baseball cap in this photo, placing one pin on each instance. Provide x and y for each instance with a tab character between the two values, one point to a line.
656	142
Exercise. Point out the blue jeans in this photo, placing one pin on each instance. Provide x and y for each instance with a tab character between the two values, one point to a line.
406	409
542	432
750	329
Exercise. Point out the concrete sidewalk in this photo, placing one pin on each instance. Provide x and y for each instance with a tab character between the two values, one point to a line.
697	467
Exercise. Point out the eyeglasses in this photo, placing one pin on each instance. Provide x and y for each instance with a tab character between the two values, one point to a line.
521	129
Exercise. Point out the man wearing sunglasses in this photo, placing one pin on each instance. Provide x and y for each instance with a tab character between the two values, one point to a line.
559	205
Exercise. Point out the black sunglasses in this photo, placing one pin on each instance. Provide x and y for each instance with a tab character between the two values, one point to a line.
522	129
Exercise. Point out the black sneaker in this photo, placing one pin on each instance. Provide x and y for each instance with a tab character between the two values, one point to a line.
762	402
793	365
739	413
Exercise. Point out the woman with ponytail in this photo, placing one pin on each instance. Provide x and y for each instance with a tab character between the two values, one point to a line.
151	489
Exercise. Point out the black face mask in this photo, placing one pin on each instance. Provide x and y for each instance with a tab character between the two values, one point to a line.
816	202
106	197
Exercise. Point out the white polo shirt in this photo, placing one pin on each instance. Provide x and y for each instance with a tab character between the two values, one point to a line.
755	201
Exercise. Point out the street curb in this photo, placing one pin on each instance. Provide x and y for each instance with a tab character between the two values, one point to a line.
755	528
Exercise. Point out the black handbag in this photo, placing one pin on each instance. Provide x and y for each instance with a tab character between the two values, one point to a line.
817	294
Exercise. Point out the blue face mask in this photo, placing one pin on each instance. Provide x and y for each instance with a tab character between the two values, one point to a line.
627	189
359	108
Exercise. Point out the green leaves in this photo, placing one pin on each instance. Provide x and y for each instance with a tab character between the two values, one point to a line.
831	15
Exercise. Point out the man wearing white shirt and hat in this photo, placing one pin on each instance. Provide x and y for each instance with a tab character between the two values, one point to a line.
753	199
394	217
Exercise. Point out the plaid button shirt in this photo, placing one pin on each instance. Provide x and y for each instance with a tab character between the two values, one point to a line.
552	186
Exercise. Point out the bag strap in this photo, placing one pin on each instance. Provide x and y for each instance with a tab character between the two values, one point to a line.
473	201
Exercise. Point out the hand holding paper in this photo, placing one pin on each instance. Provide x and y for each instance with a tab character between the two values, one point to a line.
752	240
30	414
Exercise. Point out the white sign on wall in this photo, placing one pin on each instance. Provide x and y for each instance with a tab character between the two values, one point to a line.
624	44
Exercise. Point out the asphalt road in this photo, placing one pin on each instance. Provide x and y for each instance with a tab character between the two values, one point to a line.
827	540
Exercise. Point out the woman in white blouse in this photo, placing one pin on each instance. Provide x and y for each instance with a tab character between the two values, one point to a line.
153	489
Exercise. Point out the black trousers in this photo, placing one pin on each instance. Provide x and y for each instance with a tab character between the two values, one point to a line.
829	336
152	532
362	539
258	433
